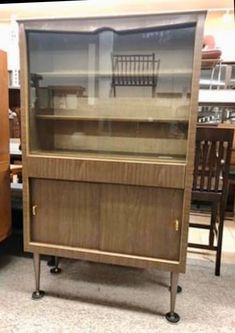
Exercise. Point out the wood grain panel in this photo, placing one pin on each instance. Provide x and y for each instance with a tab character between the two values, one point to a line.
129	220
140	221
133	173
5	213
105	257
67	213
4	120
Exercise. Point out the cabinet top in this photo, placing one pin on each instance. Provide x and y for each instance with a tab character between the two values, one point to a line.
119	22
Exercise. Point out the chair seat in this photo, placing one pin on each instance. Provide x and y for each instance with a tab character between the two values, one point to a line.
206	196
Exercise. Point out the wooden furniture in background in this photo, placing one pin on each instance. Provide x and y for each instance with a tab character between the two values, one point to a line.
5	214
210	182
14	106
225	100
99	175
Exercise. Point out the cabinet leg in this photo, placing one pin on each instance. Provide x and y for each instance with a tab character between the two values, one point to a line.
179	289
172	316
56	269
37	294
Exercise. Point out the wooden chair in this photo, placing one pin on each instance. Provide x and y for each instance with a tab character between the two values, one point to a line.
210	182
136	70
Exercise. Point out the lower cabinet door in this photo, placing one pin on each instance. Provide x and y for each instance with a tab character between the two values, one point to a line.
134	220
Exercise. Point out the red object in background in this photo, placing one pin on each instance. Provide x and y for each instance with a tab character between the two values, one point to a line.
209	42
211	55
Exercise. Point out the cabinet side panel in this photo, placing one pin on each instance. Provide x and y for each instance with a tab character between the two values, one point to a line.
191	136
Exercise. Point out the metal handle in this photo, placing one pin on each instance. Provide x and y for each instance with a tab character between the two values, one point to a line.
34	210
177	225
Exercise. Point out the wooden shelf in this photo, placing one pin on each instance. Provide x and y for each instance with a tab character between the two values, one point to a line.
74	73
109	118
173	159
136	110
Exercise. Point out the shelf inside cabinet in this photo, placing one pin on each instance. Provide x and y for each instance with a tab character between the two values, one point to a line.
87	73
145	158
108	118
118	109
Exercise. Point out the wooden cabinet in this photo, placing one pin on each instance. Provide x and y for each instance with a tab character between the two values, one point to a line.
5	215
109	118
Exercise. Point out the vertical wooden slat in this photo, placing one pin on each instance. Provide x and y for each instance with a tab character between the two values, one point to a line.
134	73
204	159
143	70
211	166
219	165
196	171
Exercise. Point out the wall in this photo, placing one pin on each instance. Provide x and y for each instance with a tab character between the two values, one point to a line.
222	27
105	7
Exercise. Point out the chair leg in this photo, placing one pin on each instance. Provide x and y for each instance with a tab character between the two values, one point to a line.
214	209
219	243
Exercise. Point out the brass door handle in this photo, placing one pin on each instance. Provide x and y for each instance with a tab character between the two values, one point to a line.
34	210
177	225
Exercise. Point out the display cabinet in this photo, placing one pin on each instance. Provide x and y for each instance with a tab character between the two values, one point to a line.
108	127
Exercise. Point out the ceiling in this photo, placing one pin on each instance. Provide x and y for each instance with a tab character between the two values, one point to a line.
85	8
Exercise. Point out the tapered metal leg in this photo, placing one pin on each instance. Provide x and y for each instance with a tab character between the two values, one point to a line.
172	316
56	269
179	289
37	294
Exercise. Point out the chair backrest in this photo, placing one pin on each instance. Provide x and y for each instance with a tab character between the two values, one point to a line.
135	70
212	159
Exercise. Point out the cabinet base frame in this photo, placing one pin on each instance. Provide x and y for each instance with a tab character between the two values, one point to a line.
171	316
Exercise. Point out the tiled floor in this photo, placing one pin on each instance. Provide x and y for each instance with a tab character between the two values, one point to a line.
201	236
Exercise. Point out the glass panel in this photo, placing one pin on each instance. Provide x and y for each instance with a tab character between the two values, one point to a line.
111	94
